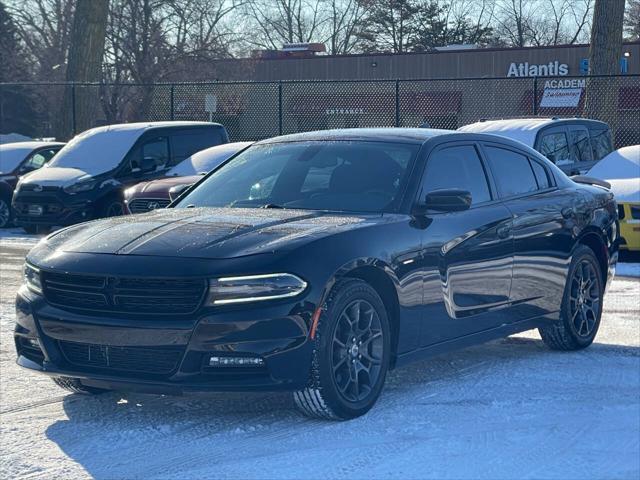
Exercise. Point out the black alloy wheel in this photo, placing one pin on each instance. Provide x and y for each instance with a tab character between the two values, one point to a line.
584	298
351	353
357	350
5	213
581	308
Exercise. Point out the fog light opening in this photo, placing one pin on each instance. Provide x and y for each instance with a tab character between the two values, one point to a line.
229	361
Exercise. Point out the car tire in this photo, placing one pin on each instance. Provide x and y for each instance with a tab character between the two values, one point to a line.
75	386
351	354
6	215
36	229
581	308
112	207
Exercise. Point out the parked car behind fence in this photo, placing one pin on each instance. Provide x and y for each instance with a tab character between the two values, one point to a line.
87	178
147	196
573	144
16	160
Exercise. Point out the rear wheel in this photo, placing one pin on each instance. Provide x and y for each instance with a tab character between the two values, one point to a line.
581	306
5	213
351	354
74	385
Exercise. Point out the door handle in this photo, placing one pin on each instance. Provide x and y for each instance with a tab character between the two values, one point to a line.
567	212
504	232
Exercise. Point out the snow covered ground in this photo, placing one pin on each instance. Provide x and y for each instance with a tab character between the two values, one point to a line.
508	409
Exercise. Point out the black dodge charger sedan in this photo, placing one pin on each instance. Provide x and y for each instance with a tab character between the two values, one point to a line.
316	262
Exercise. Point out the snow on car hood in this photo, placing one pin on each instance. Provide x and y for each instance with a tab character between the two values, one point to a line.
203	232
55	177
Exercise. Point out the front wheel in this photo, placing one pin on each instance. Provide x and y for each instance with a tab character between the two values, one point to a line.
36	229
5	213
351	354
112	208
581	305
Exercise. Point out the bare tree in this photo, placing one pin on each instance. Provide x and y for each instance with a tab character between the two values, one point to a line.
542	22
44	27
86	50
604	59
274	22
632	20
344	24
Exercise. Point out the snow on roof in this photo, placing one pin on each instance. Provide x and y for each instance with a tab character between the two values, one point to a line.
521	129
142	126
206	160
619	164
11	154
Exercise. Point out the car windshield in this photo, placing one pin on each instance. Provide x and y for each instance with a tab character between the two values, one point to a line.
11	156
350	176
96	151
206	160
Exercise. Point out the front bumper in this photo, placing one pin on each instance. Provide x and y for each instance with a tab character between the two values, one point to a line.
277	333
51	209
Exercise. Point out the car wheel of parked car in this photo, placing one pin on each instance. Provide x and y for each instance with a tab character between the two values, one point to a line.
581	306
112	208
36	229
74	385
5	213
351	354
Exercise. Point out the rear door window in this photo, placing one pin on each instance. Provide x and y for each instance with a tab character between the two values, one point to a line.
185	143
457	167
580	144
542	177
555	147
512	172
601	143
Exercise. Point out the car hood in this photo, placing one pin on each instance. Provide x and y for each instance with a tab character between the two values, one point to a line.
55	176
204	232
162	185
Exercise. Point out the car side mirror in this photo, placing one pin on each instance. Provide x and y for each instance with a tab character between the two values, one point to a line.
175	192
447	200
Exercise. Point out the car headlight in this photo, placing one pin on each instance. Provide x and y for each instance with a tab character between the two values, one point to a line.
254	288
32	278
80	187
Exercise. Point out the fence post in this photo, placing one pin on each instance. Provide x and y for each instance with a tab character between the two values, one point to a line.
397	103
535	96
280	108
171	103
73	109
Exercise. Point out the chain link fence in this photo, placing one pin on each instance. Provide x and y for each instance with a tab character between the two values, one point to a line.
257	110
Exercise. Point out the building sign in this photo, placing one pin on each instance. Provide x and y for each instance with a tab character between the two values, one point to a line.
560	97
563	93
551	69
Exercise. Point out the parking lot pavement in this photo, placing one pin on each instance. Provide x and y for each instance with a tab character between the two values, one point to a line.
507	409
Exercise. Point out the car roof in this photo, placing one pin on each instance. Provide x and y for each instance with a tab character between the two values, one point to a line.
388	134
32	145
142	126
521	129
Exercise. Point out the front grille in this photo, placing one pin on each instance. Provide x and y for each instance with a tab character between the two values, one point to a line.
141	205
157	296
151	360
